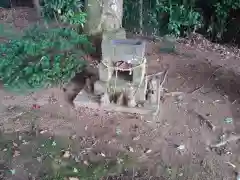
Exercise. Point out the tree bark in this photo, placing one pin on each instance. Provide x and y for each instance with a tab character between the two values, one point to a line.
103	15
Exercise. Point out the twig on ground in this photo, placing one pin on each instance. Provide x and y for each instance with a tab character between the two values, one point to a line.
173	94
204	120
232	137
198	88
231	164
15	116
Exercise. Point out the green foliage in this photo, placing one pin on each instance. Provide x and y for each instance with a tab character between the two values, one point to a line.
45	56
164	16
180	17
221	16
42	57
64	10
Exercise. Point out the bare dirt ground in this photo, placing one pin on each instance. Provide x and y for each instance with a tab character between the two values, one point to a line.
175	146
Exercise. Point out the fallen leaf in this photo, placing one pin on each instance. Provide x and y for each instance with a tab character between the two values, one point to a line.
43	131
75	170
25	142
86	163
35	106
228	120
54	143
180	174
136	138
16	153
118	131
148	151
66	154
73	136
13	171
73	178
39	159
131	149
103	155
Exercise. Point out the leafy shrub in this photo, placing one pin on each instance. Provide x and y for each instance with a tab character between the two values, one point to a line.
221	16
64	10
165	17
179	17
46	56
42	57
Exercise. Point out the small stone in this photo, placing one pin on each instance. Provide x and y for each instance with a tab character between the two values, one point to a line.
19	138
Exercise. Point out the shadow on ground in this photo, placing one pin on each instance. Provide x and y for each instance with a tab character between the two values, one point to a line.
38	155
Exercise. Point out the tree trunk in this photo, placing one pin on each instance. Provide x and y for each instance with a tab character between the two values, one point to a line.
103	15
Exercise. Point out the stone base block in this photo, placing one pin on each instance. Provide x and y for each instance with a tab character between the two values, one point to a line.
84	100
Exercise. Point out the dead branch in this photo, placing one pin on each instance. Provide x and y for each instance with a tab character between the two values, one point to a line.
232	137
203	120
200	87
159	92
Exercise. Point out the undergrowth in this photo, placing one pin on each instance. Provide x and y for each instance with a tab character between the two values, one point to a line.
58	158
46	56
181	17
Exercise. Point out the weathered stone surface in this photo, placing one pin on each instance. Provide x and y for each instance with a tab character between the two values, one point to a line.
104	73
100	88
107	37
132	50
139	74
